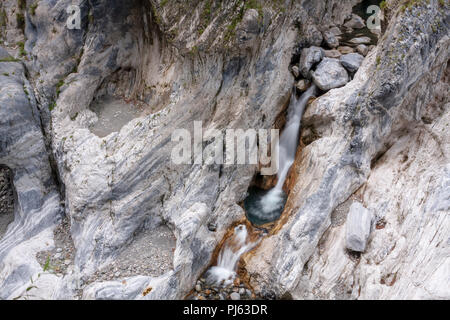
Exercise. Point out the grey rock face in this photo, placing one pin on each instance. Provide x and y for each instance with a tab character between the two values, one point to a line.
37	206
330	74
355	22
358	227
352	61
308	58
4	54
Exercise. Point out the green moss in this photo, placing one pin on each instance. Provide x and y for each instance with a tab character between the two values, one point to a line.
163	3
9	59
383	4
21	46
22	4
378	60
6	74
205	17
254	4
3	18
58	87
74	116
52	106
33	8
20	21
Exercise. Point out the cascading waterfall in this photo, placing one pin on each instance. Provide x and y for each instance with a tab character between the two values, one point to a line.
262	206
234	247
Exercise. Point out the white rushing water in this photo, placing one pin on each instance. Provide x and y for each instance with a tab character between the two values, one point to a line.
273	201
234	247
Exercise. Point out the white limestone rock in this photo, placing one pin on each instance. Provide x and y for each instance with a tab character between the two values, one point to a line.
308	58
358	227
330	74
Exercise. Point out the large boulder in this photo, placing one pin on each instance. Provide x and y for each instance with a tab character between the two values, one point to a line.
330	74
308	58
352	61
358	227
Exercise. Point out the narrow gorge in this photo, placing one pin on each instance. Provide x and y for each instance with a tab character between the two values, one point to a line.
93	206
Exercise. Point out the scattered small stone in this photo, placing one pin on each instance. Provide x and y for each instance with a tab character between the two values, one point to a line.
335	31
295	71
198	288
67	262
332	54
241	291
57	255
235	296
212	226
345	49
303	85
362	49
330	39
58	250
361	40
117	274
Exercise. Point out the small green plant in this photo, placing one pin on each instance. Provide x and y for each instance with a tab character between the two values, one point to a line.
22	4
163	3
58	87
383	4
21	46
20	21
378	60
33	8
6	74
52	106
74	116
